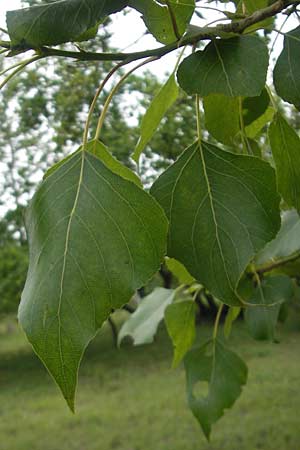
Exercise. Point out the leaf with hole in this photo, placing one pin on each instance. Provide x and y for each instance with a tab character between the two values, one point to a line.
225	373
94	239
222	208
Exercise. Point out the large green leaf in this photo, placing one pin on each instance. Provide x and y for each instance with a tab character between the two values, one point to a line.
233	67
58	22
232	314
94	239
286	243
156	111
223	208
158	17
180	322
143	323
286	73
225	374
270	294
285	145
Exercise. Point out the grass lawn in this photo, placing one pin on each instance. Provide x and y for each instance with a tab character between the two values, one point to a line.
131	400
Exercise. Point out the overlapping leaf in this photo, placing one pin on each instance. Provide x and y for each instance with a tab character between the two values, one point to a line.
224	115
94	239
268	296
225	374
143	323
223	208
233	67
286	243
180	322
156	111
285	145
165	19
179	271
286	73
58	22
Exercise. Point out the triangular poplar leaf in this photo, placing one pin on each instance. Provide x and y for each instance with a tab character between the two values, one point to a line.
154	114
286	74
179	271
180	323
143	323
286	243
285	146
225	373
58	22
233	67
158	18
270	294
222	208
94	238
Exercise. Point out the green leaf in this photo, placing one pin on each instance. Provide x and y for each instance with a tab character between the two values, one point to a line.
286	74
255	107
285	145
94	239
233	67
156	111
158	17
143	323
225	373
286	243
223	208
270	294
58	22
180	322
222	114
255	128
180	272
232	315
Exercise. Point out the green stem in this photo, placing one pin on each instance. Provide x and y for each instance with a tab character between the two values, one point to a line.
245	142
93	104
19	69
173	20
217	321
113	92
198	116
268	267
272	98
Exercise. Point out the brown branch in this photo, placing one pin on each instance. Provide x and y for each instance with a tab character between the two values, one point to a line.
205	33
268	267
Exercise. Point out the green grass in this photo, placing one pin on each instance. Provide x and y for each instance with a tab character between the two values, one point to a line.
131	400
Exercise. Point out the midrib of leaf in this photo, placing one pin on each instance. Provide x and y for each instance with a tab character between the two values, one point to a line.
224	69
211	201
64	264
